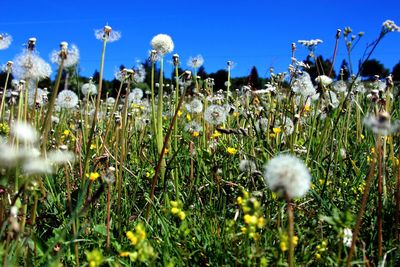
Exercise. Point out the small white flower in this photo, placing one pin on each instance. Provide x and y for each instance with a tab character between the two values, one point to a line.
347	237
390	26
162	43
310	44
287	174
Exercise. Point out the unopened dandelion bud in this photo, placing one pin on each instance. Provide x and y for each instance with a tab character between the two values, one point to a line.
9	64
293	47
229	63
338	31
389	80
175	59
153	55
31	43
107	29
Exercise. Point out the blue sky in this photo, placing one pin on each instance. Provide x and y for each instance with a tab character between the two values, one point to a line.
250	33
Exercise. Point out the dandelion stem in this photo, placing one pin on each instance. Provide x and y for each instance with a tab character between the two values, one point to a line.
4	93
161	156
96	110
47	122
361	212
290	213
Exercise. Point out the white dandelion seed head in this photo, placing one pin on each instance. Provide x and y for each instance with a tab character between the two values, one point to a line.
110	101
162	43
60	156
261	125
41	97
215	114
72	55
340	86
140	74
286	124
195	106
381	124
195	62
193	126
30	66
288	175
24	132
108	34
135	96
67	99
5	41
37	166
303	85
246	165
324	80
89	89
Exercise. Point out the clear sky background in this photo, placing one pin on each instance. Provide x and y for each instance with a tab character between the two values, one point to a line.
250	33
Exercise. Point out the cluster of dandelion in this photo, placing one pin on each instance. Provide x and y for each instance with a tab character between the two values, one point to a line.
284	241
176	210
253	217
143	251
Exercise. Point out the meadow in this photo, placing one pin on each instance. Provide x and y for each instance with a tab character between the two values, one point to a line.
300	172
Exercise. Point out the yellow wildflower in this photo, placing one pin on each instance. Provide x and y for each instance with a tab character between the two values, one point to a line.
93	176
179	113
216	134
175	210
283	246
195	134
93	146
188	117
124	254
277	130
182	215
231	150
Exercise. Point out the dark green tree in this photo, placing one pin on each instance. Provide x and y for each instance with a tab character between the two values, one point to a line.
319	67
396	72
373	67
344	68
220	77
201	72
254	80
